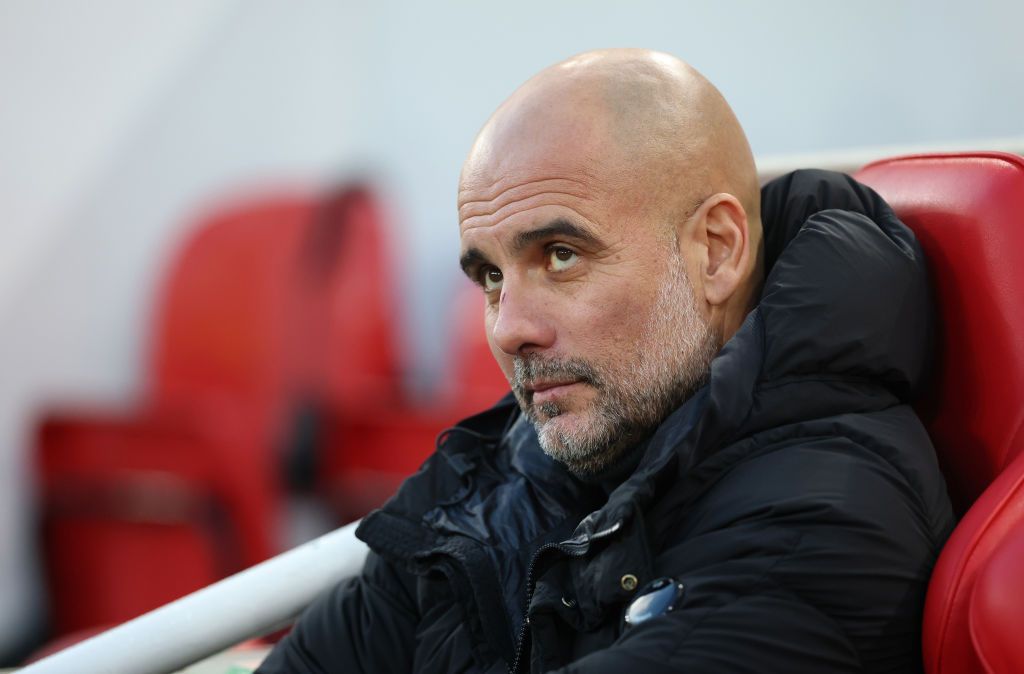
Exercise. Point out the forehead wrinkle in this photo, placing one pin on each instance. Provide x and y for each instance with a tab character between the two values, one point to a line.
499	198
491	192
467	228
560	199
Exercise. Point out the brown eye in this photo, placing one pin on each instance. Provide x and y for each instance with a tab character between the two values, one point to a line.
561	258
490	279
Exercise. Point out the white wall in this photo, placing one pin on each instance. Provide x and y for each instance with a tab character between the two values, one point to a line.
118	119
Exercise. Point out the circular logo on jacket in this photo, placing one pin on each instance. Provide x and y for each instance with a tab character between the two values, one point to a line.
658	597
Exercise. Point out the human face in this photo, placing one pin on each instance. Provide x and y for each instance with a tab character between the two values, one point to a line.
589	312
668	364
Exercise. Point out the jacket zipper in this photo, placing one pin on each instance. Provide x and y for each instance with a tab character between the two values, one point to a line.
578	549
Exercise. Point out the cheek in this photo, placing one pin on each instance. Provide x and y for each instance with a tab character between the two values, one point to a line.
613	321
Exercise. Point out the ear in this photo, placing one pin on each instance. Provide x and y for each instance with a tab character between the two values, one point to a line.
723	223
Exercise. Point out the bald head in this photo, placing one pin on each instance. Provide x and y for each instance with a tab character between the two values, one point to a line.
608	211
636	121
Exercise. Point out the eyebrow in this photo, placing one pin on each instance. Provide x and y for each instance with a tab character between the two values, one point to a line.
558	228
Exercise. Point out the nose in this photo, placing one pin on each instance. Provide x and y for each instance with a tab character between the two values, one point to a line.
520	322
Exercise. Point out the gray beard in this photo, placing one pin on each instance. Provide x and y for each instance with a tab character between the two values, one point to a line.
634	394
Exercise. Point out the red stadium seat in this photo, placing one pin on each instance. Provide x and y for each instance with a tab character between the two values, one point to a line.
968	212
375	447
370	453
148	504
139	511
358	362
368	438
223	321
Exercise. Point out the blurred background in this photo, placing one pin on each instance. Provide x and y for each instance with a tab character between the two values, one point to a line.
230	304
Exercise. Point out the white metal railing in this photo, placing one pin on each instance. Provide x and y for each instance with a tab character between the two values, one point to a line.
248	604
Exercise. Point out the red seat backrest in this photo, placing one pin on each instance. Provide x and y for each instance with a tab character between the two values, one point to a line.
967	209
353	354
139	509
968	212
223	322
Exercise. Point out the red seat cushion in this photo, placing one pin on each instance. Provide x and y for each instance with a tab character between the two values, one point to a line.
996	612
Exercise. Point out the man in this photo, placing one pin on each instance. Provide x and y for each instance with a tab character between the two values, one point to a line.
709	464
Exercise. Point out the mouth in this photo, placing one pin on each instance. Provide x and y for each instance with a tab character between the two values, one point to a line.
541	392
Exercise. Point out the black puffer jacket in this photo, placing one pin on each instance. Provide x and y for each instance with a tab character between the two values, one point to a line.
795	497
